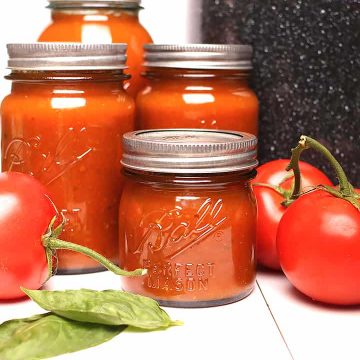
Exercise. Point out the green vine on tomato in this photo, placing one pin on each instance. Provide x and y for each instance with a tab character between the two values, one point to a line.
29	237
346	190
272	187
318	238
51	243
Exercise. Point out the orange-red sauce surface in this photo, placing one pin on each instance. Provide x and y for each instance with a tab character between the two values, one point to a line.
189	99
197	242
68	135
103	26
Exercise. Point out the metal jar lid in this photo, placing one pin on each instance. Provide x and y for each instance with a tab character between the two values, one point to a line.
66	56
189	151
88	4
199	56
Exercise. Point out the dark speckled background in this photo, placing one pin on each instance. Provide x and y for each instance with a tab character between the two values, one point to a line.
306	71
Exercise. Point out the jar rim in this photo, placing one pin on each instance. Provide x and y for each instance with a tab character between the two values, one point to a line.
199	56
54	56
189	151
94	4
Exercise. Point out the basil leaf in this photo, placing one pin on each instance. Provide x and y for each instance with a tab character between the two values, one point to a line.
109	307
47	335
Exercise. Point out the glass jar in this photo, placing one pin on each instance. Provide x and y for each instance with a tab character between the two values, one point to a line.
188	215
63	123
198	86
99	22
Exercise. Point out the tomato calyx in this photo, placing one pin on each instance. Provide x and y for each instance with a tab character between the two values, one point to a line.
285	193
353	198
344	191
51	243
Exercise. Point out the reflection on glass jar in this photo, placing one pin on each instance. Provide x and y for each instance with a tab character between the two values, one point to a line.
102	22
63	125
188	218
198	86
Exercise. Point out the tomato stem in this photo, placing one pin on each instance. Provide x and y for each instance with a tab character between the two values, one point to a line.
51	243
57	244
276	188
49	256
345	191
281	191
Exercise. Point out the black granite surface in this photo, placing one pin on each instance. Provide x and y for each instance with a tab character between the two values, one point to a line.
306	71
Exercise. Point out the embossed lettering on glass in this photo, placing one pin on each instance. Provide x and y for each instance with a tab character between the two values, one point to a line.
187	215
63	123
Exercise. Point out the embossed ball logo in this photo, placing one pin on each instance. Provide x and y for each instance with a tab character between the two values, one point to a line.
173	233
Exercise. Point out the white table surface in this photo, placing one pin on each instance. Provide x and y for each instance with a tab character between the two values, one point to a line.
274	323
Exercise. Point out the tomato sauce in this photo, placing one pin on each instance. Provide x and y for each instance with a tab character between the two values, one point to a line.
103	22
65	128
184	94
194	233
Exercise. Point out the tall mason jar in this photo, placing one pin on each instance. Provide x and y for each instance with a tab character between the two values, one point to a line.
62	123
99	22
198	86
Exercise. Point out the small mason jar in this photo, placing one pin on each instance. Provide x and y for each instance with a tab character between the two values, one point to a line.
188	215
102	22
198	86
63	123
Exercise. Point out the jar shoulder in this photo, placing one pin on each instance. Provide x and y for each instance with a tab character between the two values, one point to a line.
114	30
63	103
142	199
162	94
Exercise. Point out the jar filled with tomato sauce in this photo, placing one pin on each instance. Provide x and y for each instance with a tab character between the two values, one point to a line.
102	21
198	86
63	123
188	215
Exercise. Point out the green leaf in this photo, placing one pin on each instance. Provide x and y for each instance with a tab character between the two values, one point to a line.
109	307
47	335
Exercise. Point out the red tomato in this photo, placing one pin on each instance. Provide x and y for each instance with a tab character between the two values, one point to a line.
270	210
318	244
25	214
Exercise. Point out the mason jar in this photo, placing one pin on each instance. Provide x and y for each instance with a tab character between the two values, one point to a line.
188	215
198	86
63	123
99	22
